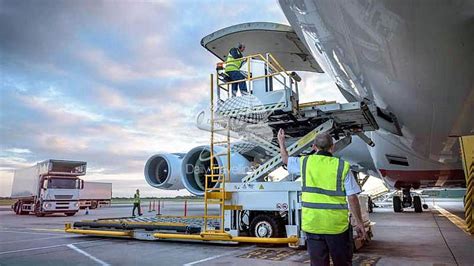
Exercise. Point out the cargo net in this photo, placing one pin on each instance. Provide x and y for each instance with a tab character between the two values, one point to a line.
247	117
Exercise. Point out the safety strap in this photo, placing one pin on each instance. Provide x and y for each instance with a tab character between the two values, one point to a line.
338	192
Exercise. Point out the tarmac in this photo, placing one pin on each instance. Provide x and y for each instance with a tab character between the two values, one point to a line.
434	237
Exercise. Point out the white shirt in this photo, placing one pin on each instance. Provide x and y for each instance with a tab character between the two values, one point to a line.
350	184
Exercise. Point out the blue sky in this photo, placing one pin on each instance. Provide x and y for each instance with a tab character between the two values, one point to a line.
111	82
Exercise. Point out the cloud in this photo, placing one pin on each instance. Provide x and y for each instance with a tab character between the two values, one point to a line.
18	150
111	83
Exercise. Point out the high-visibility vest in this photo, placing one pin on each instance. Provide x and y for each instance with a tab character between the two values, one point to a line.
232	64
324	203
136	198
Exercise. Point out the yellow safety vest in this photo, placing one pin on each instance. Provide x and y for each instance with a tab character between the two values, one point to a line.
232	64
324	203
136	198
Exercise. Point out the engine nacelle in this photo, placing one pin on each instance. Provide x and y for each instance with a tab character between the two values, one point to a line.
163	171
196	164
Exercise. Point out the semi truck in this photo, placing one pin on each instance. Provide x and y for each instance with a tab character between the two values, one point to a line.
95	194
51	186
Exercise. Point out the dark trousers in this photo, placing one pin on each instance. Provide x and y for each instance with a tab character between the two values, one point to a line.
339	246
237	75
135	206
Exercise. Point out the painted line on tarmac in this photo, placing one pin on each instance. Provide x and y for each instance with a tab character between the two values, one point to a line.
31	233
460	223
35	239
48	229
39	248
87	255
217	256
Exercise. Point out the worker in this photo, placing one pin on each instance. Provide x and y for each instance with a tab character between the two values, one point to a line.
233	64
136	203
326	181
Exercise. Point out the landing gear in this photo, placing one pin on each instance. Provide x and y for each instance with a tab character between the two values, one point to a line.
397	204
417	204
407	201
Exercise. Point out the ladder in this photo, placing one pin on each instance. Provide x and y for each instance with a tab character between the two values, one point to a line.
216	195
294	149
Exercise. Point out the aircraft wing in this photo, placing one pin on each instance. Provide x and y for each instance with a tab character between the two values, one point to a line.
261	38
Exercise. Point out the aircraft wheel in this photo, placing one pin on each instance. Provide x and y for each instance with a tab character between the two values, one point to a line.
397	204
417	204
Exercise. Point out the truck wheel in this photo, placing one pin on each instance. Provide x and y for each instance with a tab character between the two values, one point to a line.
397	204
38	211
70	213
417	204
20	211
267	225
94	204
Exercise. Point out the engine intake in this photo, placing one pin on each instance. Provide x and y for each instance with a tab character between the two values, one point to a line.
163	171
196	164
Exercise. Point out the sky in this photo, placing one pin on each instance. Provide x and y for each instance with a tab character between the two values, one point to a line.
113	82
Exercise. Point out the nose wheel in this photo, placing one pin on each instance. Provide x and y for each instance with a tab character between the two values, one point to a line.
408	201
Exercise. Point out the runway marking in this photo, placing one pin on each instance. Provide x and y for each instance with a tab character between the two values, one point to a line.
460	223
217	256
32	233
39	248
28	240
87	255
47	229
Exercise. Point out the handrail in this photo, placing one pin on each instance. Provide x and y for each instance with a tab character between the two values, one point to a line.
273	65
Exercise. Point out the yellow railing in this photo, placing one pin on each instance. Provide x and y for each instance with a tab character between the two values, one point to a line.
273	66
218	174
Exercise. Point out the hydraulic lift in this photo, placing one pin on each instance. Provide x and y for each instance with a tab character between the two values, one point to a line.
254	210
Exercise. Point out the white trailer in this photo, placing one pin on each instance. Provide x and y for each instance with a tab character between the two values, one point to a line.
51	186
95	195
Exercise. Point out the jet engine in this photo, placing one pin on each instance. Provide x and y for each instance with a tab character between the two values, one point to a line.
196	164
163	171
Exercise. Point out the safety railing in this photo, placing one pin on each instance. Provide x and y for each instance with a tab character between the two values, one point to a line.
273	70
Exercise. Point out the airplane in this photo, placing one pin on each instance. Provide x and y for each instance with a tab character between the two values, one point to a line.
411	60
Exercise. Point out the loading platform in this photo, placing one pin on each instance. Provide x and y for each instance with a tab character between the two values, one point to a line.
252	210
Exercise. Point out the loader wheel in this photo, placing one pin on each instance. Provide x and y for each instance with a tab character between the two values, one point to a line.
397	204
267	225
417	204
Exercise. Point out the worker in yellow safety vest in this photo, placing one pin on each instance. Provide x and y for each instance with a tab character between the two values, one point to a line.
136	203
326	182
233	64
